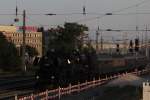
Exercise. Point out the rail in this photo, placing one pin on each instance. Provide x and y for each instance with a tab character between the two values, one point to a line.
59	92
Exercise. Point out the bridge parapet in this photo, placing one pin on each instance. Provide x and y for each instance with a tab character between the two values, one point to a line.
57	93
146	90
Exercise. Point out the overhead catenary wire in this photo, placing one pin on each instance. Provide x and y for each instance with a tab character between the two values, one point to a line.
114	30
117	11
112	13
101	15
132	6
120	30
40	24
33	21
63	14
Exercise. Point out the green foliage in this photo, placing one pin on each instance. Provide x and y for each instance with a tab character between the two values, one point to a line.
67	38
8	55
31	51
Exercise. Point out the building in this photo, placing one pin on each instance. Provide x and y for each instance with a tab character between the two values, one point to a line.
4	28
146	91
33	37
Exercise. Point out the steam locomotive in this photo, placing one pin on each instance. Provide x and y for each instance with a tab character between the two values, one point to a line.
60	70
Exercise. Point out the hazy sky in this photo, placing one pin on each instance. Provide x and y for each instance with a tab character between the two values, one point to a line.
75	6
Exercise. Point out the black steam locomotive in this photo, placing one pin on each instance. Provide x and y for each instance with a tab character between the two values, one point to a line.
60	70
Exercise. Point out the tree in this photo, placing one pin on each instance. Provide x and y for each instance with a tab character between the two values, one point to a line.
31	51
9	60
67	38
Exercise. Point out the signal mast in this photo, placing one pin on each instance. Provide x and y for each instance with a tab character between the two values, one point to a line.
16	13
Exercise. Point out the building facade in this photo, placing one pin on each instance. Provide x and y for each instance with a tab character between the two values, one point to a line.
4	28
32	38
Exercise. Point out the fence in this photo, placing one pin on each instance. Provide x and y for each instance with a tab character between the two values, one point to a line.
57	93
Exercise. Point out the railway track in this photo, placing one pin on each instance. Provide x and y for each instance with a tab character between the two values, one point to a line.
11	86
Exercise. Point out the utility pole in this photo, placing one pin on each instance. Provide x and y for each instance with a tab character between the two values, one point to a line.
97	34
146	44
24	43
101	42
137	27
142	39
125	42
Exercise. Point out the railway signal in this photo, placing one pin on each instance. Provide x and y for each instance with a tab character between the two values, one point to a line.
131	47
136	45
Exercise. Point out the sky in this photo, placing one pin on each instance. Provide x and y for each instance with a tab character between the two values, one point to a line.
93	7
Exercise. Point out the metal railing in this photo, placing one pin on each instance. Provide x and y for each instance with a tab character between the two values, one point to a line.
57	93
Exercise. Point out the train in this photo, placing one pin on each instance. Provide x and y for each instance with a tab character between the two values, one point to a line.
56	70
116	64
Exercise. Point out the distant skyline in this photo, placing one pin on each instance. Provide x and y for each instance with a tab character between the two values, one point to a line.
42	7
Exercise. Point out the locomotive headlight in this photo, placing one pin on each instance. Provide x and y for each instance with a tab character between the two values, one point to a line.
69	62
37	77
52	77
